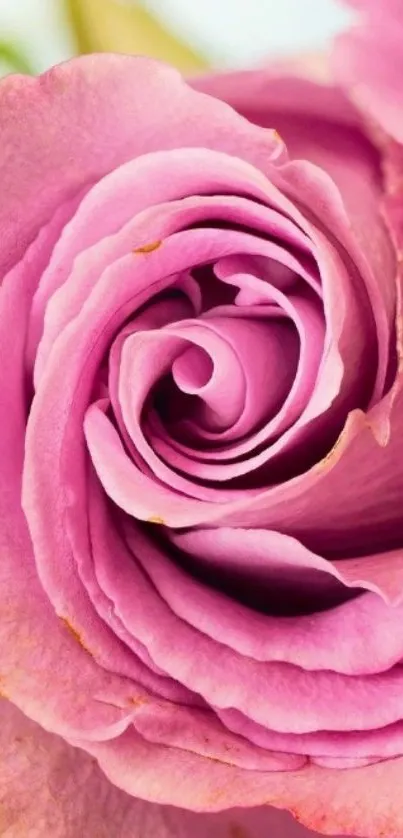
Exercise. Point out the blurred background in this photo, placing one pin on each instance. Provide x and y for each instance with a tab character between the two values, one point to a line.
192	34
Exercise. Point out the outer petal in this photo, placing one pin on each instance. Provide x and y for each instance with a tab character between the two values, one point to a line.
316	119
393	7
50	788
37	649
368	62
357	801
80	120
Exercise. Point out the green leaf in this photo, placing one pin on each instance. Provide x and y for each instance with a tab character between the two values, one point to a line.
14	58
117	26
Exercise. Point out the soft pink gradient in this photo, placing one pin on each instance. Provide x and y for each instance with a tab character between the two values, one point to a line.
149	230
368	61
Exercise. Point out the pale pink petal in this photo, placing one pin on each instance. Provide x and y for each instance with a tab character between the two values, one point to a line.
368	62
51	788
60	113
389	6
344	748
357	801
318	123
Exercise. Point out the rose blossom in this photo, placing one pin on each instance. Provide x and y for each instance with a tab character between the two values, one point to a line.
202	417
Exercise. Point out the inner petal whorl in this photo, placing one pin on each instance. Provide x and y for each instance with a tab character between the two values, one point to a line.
193	370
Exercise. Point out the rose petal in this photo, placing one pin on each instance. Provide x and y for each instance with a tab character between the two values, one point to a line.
229	396
49	787
367	61
372	745
357	801
269	562
321	126
389	6
363	61
34	641
263	691
117	205
58	115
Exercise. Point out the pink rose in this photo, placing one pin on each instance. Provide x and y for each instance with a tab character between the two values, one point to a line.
369	58
201	433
